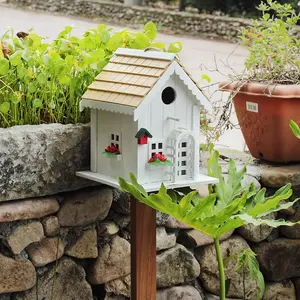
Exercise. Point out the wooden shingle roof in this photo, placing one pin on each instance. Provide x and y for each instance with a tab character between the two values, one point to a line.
128	78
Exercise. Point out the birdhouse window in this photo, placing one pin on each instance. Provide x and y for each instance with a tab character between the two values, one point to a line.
156	147
115	140
168	95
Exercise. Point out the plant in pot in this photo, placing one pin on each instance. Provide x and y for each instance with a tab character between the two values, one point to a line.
266	95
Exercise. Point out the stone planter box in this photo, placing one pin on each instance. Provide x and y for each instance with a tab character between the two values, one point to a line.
39	160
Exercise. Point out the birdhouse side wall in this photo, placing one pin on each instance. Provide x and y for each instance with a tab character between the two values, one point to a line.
118	129
162	120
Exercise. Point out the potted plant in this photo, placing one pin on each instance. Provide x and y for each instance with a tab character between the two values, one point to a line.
266	96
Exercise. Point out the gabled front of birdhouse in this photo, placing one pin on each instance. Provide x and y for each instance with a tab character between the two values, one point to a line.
145	119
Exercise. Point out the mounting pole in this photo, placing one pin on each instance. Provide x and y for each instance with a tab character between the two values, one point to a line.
143	251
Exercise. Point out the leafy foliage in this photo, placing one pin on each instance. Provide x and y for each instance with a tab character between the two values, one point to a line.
295	128
228	206
43	82
274	50
246	262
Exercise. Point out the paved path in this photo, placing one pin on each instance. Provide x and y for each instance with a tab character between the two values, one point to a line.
195	51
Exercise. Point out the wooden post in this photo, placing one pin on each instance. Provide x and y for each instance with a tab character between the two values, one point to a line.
143	251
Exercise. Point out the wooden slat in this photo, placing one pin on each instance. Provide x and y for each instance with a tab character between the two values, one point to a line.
119	88
115	98
143	251
143	62
124	78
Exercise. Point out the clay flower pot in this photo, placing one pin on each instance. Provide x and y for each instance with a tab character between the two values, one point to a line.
264	113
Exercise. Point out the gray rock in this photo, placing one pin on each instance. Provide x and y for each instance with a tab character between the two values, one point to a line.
172	223
85	246
209	269
85	207
107	229
194	238
215	297
114	297
294	231
279	259
46	251
51	226
112	263
28	209
179	293
23	234
69	280
120	286
5	296
278	176
121	202
255	234
39	160
16	276
284	290
161	218
176	266
123	221
164	240
296	282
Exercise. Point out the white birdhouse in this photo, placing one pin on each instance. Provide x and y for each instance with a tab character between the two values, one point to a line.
145	119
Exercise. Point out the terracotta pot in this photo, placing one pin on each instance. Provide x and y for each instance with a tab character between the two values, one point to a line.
264	113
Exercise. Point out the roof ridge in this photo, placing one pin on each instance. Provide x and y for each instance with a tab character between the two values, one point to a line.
146	54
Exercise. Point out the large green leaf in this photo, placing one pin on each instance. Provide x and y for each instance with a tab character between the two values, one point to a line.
228	206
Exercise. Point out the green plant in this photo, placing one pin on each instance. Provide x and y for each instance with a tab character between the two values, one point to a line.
43	82
274	50
228	206
295	128
246	262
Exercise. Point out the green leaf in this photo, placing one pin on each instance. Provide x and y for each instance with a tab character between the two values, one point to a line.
104	35
227	285
114	42
37	103
31	87
15	58
42	79
141	41
158	45
295	128
206	77
66	31
175	47
150	30
5	107
4	66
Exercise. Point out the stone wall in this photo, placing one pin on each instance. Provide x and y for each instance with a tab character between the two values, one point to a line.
167	21
75	244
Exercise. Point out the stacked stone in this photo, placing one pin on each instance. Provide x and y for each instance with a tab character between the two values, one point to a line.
75	245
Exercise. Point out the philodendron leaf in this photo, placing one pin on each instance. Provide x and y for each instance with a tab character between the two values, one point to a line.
295	128
228	206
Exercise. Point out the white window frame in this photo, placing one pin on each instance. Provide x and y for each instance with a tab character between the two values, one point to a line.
116	140
157	147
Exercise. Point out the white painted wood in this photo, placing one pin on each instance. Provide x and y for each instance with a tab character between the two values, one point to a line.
94	140
122	109
149	187
145	54
122	125
175	125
